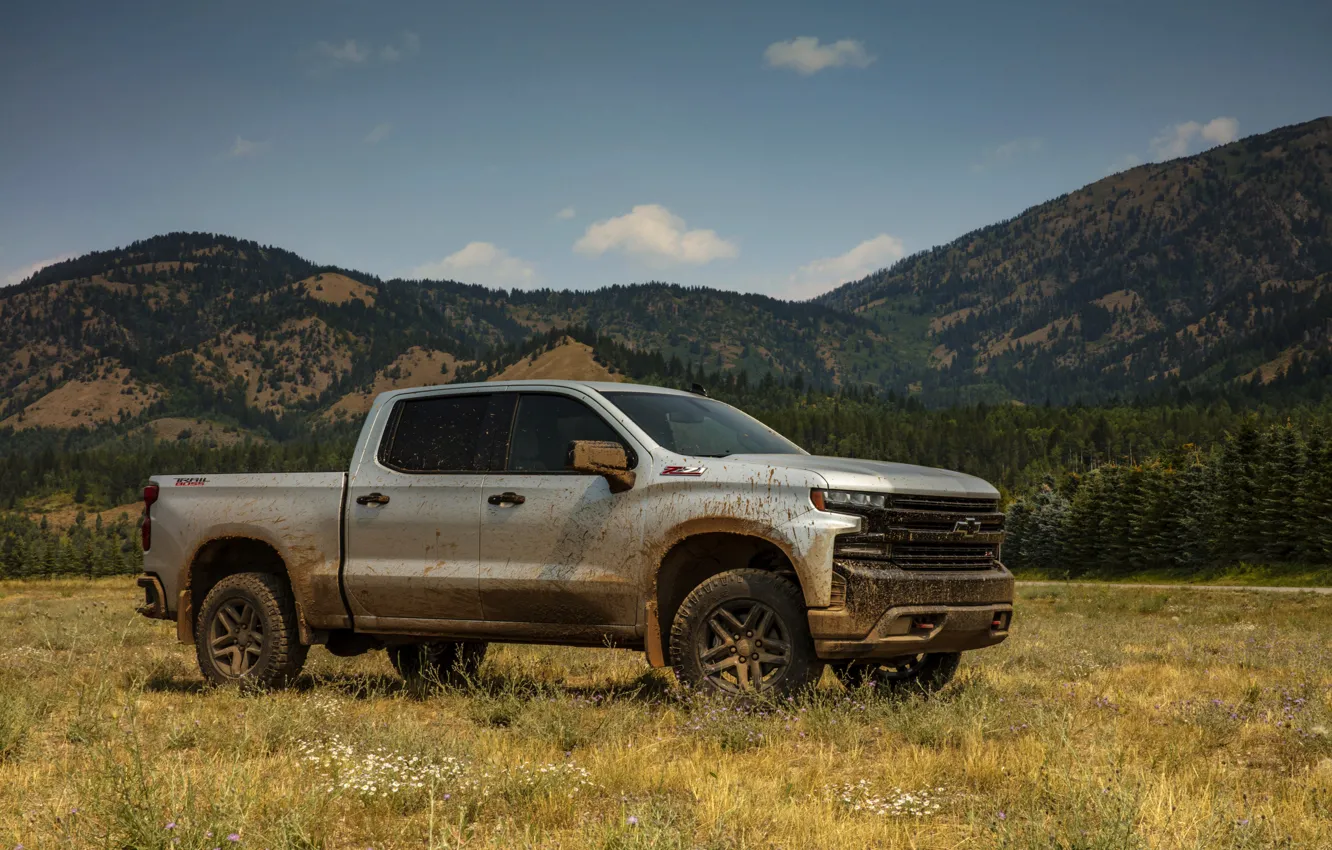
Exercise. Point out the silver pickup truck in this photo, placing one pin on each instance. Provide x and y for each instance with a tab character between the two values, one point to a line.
593	514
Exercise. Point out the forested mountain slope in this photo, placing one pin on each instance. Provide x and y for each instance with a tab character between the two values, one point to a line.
200	324
1205	270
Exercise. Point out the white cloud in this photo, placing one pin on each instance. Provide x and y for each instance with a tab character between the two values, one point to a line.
327	56
805	55
379	133
652	231
479	262
1176	141
409	45
1009	151
566	214
1221	131
245	147
21	274
347	53
869	256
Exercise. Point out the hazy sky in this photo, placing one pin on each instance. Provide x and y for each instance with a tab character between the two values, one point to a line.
771	146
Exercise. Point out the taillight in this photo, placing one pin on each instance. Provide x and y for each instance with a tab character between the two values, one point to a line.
146	527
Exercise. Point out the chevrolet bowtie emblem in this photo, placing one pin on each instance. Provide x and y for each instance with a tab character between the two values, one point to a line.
967	527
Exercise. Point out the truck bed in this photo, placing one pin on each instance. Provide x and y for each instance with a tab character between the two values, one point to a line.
298	514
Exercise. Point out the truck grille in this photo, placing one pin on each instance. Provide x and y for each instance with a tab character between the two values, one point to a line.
945	504
929	533
944	557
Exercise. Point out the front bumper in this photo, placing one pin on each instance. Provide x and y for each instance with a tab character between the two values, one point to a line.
887	612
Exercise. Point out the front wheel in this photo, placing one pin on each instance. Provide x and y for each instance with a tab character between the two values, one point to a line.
247	632
744	631
924	673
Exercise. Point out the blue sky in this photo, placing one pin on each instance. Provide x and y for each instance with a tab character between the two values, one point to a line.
776	147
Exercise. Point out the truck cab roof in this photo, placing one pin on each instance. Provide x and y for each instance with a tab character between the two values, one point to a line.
595	386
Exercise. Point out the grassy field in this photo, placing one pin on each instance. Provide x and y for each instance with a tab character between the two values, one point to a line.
1113	718
1229	575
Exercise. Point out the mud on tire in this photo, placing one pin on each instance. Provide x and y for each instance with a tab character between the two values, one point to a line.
438	661
923	674
744	631
247	633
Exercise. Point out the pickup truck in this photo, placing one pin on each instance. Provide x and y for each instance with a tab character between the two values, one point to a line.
595	514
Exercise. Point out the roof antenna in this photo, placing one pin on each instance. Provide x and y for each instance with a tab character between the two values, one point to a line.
697	389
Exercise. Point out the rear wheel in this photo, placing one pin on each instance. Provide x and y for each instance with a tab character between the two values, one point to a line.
247	632
438	661
923	673
744	631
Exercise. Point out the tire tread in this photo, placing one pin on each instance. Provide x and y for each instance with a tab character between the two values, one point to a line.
287	653
694	604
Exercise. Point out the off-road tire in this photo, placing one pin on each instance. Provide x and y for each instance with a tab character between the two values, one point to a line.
280	653
923	674
697	648
446	661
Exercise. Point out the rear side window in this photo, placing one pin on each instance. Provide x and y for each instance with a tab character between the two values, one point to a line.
435	434
545	425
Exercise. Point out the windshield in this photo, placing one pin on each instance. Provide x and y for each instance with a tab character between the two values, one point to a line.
699	426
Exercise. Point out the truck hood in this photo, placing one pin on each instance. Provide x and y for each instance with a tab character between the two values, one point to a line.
844	473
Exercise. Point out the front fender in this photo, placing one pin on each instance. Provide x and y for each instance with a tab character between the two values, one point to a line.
808	542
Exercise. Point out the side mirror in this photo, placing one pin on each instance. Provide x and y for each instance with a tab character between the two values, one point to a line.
602	457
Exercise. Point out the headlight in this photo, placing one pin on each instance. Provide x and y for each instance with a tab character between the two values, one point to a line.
831	499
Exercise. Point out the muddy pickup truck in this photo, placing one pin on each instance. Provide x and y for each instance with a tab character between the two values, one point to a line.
592	514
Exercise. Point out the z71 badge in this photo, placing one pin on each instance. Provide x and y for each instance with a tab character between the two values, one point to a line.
684	470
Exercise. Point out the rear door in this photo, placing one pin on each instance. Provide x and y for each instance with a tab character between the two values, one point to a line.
557	546
413	512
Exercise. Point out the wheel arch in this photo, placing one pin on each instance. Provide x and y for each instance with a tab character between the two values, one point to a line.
222	556
697	552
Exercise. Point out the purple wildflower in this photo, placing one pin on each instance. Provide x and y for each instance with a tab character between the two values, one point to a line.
632	820
234	837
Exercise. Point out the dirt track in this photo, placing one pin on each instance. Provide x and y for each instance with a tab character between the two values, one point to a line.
1322	590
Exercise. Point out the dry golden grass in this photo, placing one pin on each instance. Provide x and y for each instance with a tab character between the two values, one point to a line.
199	430
568	361
337	288
415	367
103	398
61	511
1114	718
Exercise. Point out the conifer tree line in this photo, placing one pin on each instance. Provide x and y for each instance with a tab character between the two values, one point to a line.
35	549
1262	495
1183	482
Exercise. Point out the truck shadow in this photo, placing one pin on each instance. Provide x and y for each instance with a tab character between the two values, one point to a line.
646	688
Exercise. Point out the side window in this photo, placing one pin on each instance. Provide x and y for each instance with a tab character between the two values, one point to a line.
438	434
545	425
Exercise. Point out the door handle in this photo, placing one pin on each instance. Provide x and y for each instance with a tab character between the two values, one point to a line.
506	498
372	499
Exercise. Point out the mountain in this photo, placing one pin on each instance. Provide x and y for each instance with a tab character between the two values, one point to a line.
1198	271
189	324
1209	272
